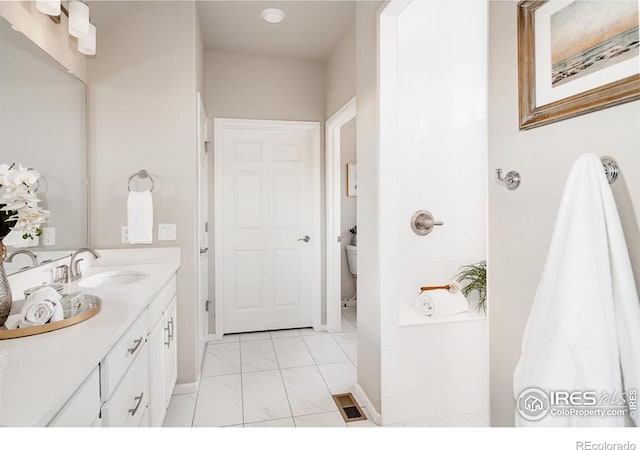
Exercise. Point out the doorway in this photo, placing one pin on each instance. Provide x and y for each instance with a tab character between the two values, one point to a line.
267	233
336	175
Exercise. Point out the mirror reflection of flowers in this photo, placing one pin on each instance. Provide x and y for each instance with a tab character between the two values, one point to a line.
19	209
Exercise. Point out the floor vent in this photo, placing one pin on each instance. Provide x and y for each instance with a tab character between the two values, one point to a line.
349	408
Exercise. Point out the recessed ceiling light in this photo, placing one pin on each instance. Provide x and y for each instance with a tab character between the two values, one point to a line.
273	15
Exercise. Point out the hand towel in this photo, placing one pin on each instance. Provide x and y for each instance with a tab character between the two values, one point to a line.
441	303
41	307
140	217
583	332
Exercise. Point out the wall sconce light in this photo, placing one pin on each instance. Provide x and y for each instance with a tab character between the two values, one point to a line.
49	7
78	19
79	25
87	43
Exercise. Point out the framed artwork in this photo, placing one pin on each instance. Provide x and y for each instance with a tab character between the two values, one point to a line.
575	57
352	180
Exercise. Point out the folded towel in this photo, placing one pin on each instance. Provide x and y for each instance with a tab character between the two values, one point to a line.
41	307
13	321
441	303
583	332
140	217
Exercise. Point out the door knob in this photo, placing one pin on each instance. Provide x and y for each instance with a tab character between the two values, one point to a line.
422	222
204	250
306	238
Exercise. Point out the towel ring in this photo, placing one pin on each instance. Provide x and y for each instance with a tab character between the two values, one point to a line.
141	174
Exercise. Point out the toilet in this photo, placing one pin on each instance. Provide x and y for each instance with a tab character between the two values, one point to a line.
352	258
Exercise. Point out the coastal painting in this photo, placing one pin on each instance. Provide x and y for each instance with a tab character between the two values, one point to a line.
588	36
575	57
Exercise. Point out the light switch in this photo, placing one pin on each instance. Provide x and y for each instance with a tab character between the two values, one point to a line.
124	234
166	231
49	236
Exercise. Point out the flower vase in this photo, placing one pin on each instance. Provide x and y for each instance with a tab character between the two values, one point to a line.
5	289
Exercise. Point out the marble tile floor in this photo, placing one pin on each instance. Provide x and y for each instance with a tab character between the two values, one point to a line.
280	378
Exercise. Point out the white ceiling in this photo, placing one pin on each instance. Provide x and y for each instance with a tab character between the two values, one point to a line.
311	29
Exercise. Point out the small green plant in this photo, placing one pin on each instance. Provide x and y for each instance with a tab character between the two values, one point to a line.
475	277
354	230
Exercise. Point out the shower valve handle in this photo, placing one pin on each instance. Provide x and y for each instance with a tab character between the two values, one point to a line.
422	222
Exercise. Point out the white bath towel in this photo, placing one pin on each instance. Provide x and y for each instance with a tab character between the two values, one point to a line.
41	307
583	332
439	303
140	217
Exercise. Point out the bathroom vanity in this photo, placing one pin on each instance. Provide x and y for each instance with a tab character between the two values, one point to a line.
117	369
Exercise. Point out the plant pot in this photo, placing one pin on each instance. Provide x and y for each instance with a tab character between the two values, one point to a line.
354	240
5	289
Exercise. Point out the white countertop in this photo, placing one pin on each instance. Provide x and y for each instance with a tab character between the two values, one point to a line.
38	374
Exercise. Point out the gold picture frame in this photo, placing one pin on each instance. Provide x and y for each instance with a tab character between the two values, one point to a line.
534	111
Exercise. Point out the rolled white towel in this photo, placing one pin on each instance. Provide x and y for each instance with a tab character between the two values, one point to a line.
41	307
441	303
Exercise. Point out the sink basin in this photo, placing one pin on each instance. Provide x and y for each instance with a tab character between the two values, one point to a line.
114	278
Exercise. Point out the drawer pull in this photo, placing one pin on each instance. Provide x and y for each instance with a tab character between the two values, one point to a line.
168	341
171	323
139	400
137	343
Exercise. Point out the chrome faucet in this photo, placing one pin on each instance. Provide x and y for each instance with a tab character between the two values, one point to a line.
34	258
74	266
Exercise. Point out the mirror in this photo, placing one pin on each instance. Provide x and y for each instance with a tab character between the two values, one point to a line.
43	127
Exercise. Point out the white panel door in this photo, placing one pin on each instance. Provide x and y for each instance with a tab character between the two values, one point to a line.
266	203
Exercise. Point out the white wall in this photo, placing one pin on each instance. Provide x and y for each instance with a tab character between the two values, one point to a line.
368	214
347	205
51	37
433	156
341	72
142	114
245	86
521	221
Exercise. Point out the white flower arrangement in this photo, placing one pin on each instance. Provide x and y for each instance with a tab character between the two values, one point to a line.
19	209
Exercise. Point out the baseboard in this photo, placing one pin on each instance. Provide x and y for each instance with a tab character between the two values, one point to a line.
186	388
363	399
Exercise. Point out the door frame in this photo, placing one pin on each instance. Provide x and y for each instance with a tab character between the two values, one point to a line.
219	125
201	314
333	230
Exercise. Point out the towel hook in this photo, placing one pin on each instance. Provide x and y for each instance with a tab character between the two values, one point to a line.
511	181
141	174
611	169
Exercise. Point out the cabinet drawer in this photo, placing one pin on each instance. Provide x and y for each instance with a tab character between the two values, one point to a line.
83	409
159	304
116	363
130	401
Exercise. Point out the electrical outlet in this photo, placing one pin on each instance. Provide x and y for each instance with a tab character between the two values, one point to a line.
124	234
48	236
167	232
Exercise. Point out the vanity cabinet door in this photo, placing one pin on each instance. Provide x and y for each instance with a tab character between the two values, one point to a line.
157	405
170	351
128	404
83	409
